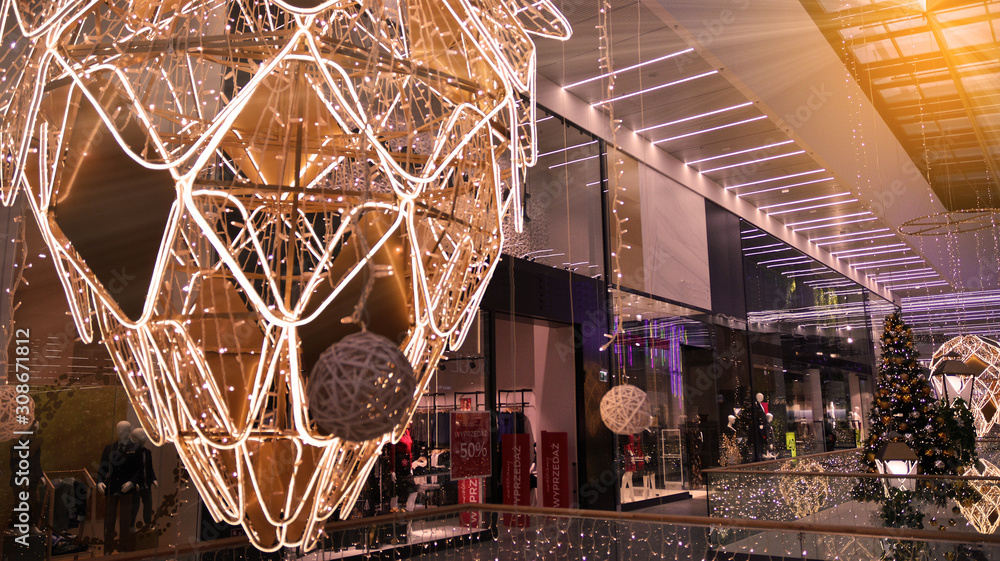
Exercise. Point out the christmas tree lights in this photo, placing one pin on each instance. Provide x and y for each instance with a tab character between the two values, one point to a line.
905	410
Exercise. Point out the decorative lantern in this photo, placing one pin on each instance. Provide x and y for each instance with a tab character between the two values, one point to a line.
896	458
982	357
952	378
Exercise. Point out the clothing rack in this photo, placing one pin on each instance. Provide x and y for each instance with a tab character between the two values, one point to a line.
523	403
422	419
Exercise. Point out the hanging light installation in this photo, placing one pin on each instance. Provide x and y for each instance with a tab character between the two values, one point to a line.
230	187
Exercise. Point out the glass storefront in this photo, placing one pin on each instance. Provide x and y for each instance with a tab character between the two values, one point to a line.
692	366
791	378
811	346
561	202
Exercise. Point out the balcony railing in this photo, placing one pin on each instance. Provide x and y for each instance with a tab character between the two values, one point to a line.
529	534
817	489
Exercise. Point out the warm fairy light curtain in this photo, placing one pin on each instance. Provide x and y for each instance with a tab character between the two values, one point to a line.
624	409
296	171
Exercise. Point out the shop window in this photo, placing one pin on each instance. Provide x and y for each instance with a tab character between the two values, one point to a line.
811	349
562	202
667	351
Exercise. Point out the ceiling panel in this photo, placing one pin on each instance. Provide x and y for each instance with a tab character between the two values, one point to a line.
932	74
685	107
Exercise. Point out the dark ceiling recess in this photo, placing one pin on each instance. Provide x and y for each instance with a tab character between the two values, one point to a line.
932	70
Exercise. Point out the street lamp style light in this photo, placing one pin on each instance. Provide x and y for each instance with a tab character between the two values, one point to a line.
953	378
896	458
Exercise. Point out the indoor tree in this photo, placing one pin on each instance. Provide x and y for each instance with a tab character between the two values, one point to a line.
904	409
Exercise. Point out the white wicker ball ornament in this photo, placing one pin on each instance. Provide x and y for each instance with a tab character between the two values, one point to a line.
17	412
360	387
625	410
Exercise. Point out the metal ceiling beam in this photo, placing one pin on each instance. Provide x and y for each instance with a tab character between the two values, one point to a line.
984	142
830	29
900	8
928	62
853	19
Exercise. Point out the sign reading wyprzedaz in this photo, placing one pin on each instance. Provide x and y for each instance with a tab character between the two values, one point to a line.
470	444
555	469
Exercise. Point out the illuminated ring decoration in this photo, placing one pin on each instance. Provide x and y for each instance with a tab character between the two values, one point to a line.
954	222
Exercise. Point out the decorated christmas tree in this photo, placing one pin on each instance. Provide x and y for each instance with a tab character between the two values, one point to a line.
905	409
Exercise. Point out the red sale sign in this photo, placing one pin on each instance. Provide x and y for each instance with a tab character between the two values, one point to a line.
469	492
470	444
555	469
516	474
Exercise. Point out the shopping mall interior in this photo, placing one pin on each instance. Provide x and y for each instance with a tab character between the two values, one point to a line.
483	279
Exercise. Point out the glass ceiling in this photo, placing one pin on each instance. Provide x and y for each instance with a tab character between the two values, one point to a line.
933	71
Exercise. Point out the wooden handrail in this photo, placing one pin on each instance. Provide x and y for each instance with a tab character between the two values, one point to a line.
777	461
699	521
860	475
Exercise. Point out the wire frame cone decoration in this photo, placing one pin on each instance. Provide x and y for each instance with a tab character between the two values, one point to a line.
230	187
982	355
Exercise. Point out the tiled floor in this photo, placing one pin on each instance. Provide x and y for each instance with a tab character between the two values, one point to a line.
697	505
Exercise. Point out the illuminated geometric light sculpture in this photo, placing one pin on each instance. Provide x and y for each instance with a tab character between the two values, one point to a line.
805	494
17	412
625	410
982	356
984	515
230	187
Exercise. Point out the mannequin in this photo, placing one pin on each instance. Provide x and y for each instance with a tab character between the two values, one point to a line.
731	427
695	441
145	481
769	433
730	453
116	477
634	461
402	460
760	424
